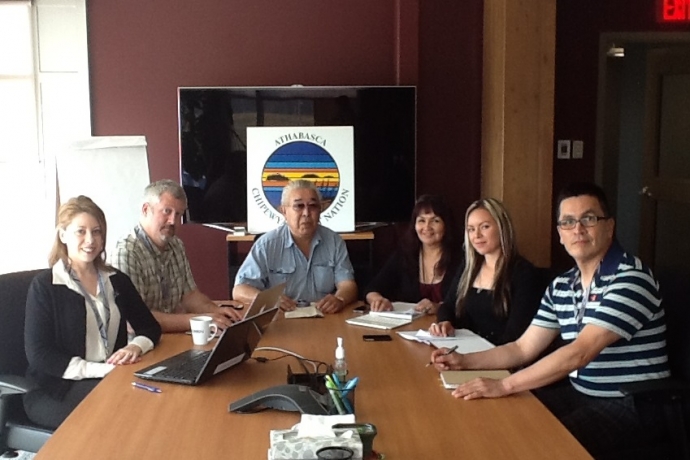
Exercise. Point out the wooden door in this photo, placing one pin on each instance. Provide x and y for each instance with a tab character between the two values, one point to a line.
665	212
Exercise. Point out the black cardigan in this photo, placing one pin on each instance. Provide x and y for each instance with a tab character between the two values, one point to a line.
396	284
55	327
527	286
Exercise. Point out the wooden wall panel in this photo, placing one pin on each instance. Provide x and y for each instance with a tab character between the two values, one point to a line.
517	117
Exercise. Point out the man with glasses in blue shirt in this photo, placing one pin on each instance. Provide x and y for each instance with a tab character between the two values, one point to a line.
310	258
608	311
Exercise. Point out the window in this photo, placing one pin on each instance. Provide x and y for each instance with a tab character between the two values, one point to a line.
43	66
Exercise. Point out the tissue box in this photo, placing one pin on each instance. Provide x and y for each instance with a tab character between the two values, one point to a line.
286	445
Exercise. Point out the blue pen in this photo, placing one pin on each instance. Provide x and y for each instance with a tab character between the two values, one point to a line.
350	385
146	387
337	381
344	390
334	395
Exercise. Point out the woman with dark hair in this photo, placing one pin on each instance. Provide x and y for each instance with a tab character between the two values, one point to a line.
76	317
417	271
498	292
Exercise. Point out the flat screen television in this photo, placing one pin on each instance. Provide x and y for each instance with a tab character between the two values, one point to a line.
213	124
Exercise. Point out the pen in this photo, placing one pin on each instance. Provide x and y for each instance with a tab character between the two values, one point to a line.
450	350
146	387
330	385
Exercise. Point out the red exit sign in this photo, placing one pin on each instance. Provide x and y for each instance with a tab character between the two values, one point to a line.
673	11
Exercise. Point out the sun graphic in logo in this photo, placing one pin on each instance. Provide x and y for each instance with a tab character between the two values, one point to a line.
300	160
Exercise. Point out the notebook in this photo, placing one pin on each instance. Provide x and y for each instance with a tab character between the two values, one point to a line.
267	298
452	379
378	321
400	310
193	367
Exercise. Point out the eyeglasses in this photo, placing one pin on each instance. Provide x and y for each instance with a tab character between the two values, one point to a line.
311	207
586	221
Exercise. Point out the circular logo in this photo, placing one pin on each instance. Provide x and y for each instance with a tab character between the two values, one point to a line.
300	160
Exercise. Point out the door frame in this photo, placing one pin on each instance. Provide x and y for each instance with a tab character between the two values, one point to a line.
607	136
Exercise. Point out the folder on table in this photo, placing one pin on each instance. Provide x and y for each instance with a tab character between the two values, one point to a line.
452	379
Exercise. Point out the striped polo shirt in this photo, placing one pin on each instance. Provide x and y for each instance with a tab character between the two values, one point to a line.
623	298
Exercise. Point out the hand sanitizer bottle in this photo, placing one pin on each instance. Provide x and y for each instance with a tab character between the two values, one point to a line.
340	366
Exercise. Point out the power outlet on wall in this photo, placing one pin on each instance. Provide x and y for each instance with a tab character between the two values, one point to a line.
563	149
578	150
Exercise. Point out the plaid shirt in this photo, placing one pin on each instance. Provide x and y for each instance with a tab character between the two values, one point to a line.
161	277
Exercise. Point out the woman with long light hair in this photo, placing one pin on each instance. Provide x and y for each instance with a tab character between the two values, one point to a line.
498	291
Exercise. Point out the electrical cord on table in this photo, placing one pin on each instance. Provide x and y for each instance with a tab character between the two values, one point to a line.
316	364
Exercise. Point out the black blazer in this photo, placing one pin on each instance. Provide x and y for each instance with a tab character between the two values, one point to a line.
55	327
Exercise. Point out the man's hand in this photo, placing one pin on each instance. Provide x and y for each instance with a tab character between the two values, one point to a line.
286	303
330	304
444	361
381	304
481	388
224	317
442	329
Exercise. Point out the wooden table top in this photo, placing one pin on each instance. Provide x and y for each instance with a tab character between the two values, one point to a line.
415	416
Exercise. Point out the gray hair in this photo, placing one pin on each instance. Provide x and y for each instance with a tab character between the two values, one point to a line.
154	191
296	185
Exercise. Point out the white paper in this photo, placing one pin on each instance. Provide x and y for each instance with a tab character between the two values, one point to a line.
466	340
321	425
304	312
113	171
400	310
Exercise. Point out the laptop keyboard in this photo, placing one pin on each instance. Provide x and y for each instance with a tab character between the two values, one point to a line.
185	367
378	322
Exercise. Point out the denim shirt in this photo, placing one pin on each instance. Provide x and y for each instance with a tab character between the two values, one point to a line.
275	258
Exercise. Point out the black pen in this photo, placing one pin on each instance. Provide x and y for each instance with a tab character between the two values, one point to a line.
450	350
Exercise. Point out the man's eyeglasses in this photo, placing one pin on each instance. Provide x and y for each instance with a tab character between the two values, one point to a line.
312	207
586	221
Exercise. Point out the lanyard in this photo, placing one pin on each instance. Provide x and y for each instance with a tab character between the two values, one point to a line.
102	325
579	310
162	280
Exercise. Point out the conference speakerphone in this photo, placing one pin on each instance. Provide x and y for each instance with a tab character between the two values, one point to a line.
293	398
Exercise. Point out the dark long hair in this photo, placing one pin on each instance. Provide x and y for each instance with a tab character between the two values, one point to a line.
411	244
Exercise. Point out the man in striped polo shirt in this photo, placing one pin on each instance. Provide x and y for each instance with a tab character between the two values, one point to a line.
608	311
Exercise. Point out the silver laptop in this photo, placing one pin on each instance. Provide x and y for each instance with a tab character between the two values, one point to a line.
265	299
234	346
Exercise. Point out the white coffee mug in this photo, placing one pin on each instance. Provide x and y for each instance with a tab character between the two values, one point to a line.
203	329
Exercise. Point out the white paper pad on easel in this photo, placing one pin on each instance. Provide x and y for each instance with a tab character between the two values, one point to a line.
466	340
111	170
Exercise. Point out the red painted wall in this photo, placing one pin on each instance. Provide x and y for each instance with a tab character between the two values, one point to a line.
140	52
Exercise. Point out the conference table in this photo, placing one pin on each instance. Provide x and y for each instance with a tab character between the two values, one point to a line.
415	416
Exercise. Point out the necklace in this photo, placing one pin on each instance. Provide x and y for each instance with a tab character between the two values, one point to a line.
422	270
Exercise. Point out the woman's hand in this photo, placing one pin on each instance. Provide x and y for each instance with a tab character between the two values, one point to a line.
126	355
381	304
427	306
442	329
